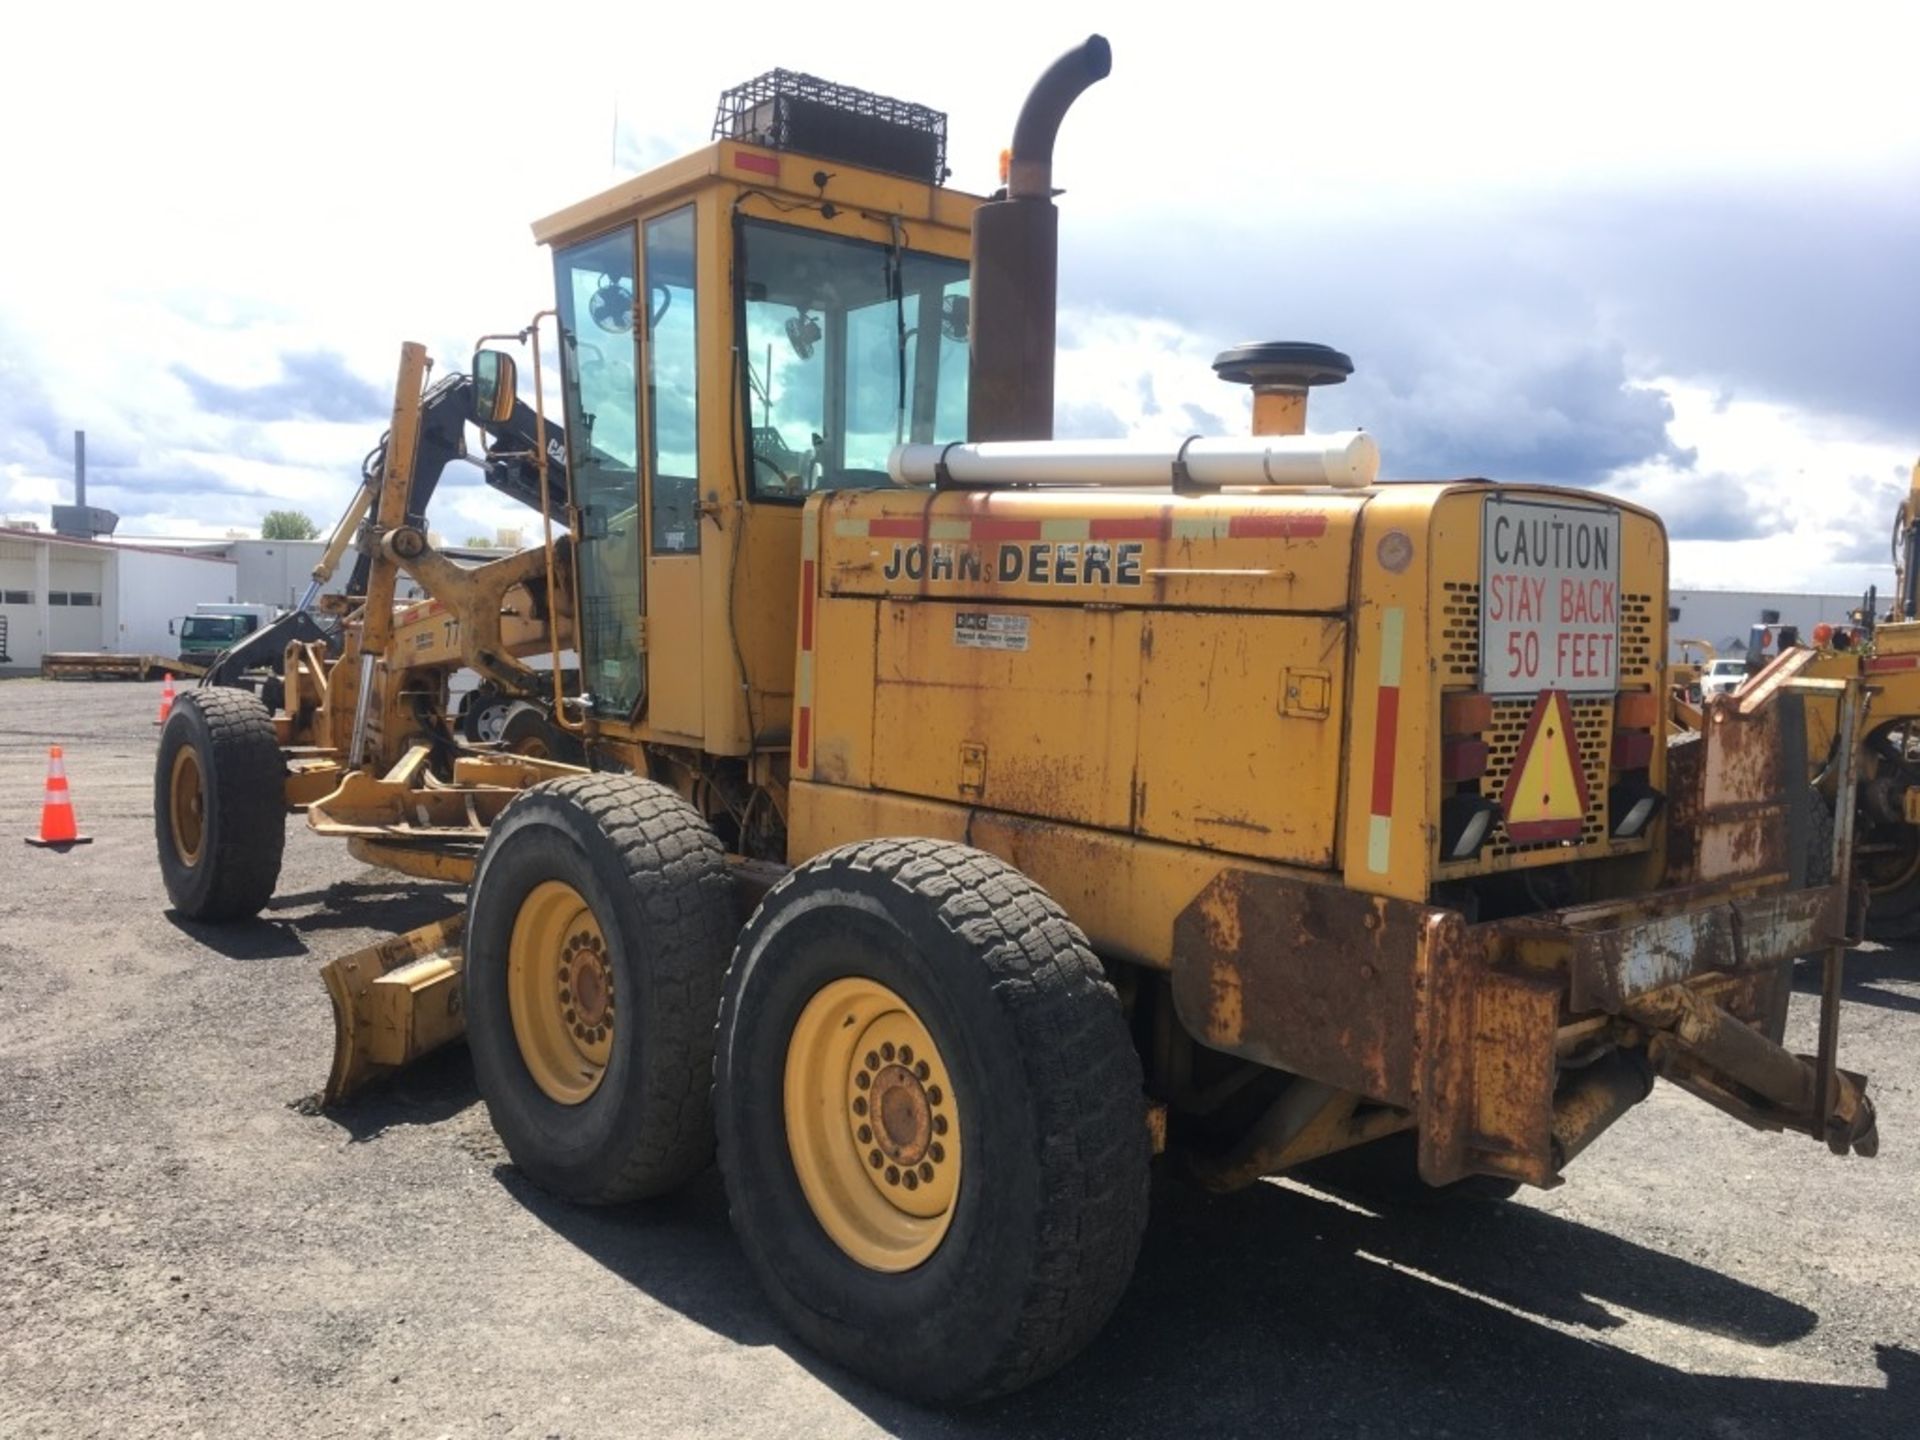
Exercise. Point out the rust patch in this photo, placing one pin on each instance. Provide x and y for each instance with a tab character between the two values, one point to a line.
1727	813
1312	979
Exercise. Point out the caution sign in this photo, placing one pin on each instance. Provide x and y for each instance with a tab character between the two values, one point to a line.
1549	598
1546	796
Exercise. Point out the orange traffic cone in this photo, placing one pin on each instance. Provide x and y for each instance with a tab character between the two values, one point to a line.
57	827
166	700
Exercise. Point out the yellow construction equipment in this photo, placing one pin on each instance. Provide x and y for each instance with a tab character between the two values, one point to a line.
1880	650
1020	808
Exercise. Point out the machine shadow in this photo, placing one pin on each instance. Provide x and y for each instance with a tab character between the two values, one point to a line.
384	906
1864	982
433	1089
1279	1309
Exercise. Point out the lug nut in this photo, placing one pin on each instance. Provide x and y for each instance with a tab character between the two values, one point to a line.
874	1158
859	1104
939	1124
873	1061
922	1071
926	1172
933	1094
866	1134
938	1152
860	1079
893	1175
886	1051
906	1055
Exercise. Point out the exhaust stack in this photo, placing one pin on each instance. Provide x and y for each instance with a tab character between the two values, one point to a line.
1016	252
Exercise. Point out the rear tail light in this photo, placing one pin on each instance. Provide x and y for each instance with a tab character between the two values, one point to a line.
1467	817
1632	802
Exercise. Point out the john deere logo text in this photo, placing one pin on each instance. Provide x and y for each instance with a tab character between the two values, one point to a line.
1066	562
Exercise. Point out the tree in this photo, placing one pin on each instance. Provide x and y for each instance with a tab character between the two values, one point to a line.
479	542
287	525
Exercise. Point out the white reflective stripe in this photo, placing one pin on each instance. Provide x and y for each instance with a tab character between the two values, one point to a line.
1379	843
1392	624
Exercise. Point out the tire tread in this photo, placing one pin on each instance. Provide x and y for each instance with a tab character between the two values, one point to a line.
1081	1066
677	872
247	818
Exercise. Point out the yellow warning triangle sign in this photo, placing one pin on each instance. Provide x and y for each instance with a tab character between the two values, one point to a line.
1546	795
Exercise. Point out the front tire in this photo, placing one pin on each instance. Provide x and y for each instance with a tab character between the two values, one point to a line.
527	731
598	927
932	1127
219	805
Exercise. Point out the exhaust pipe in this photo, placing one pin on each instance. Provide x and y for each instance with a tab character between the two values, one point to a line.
1016	253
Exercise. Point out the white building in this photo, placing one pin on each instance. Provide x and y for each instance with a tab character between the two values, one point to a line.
278	572
1723	617
59	593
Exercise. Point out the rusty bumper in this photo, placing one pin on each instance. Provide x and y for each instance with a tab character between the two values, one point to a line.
1513	1043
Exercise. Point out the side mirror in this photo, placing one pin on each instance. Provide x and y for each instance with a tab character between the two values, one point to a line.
170	627
494	387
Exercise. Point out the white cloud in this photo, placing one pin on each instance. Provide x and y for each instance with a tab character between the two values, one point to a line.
223	194
1775	493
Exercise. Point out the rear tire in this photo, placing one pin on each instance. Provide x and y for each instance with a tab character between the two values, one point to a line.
219	805
1038	1237
600	1096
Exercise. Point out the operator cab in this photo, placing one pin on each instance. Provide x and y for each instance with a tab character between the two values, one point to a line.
752	324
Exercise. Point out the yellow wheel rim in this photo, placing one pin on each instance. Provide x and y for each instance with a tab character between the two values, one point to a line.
560	992
1890	868
187	805
872	1124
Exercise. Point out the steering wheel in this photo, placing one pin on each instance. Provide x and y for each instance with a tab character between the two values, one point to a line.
786	484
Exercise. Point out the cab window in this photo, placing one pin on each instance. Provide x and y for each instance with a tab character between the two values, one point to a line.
673	370
851	348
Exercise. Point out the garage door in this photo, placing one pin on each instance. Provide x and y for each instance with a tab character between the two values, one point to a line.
74	626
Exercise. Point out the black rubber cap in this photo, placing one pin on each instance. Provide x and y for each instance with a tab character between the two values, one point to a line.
1282	362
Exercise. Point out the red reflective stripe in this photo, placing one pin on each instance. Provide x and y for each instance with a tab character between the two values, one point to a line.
803	737
896	529
1006	529
1894	662
1386	723
806	606
759	164
1145	527
1286	527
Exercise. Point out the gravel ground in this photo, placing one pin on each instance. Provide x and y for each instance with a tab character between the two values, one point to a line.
184	1251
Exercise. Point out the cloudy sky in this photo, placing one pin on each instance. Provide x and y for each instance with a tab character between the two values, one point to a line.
1664	250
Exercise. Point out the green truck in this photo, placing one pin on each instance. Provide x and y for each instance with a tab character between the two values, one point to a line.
213	627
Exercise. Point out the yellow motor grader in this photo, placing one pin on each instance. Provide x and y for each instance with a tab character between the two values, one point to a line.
968	816
1881	651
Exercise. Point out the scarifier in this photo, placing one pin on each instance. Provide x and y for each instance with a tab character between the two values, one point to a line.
984	813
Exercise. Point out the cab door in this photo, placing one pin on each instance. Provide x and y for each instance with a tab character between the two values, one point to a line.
594	286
